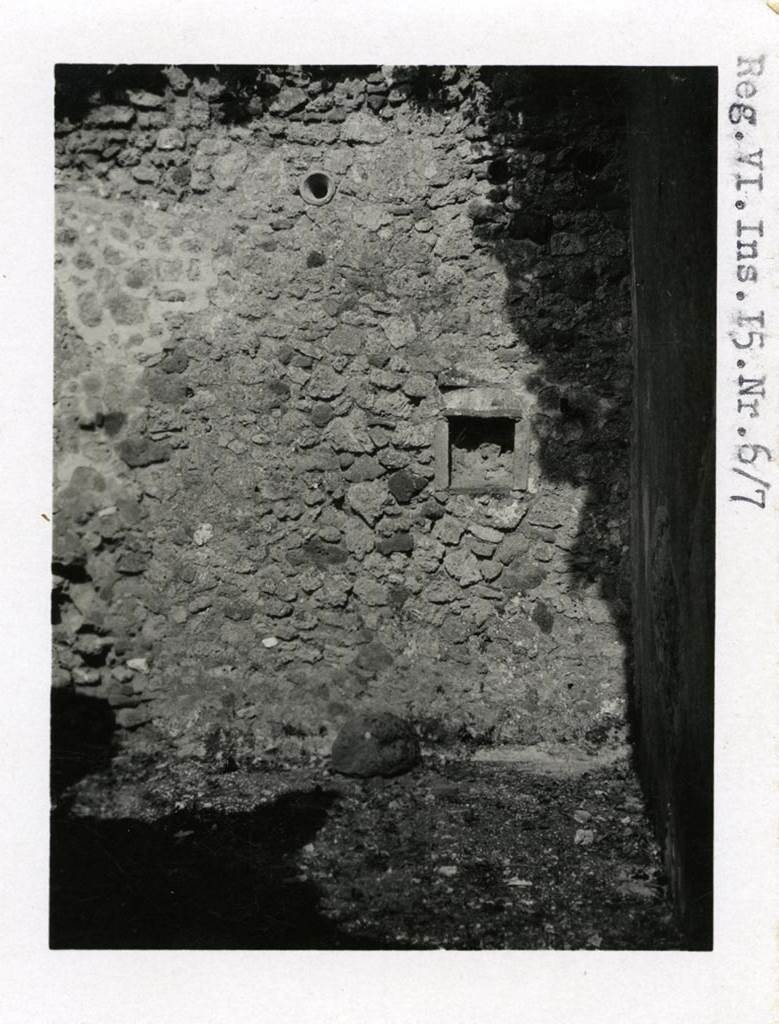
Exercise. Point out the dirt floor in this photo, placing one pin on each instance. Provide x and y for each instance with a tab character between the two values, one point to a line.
462	853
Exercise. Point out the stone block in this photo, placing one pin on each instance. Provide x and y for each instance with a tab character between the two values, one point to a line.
485	533
372	658
227	170
405	485
448	530
109	115
367	499
369	592
375	744
463	566
364	468
402	542
90	309
126	309
318	552
132	718
288	101
170	138
363	127
325	382
142	451
146	100
348	434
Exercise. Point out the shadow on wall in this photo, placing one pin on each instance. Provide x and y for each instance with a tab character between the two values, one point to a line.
82	738
566	258
243	89
191	881
558	221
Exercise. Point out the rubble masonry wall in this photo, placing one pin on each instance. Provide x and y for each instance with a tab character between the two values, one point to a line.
253	535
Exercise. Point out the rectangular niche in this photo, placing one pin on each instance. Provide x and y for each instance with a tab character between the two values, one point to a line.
481	443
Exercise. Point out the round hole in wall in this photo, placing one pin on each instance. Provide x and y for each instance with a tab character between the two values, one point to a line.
317	188
318	185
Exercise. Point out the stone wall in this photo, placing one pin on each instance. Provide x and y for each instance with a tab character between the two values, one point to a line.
356	441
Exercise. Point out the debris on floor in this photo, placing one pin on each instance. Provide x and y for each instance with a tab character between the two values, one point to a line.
456	854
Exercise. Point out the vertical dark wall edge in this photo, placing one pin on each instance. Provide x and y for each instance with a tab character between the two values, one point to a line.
672	154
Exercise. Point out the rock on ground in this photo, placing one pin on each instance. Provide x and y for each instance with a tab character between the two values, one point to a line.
375	744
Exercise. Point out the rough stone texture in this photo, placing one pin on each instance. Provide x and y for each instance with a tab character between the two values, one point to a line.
258	427
404	486
375	744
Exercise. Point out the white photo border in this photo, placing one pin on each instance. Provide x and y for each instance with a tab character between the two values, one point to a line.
735	982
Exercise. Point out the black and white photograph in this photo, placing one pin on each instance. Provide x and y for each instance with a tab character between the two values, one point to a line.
383	586
390	583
